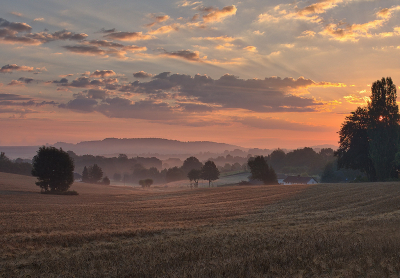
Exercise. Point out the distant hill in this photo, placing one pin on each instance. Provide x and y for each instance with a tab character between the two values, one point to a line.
144	146
325	146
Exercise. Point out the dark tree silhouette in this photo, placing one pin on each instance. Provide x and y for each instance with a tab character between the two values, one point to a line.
85	175
95	173
146	182
260	171
106	181
369	136
209	172
174	174
383	131
17	167
277	159
191	163
194	176
54	169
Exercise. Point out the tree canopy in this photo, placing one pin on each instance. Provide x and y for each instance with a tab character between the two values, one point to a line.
92	174
209	172
369	137
191	163
194	175
261	171
54	169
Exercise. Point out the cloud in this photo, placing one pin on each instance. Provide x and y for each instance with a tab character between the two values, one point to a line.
158	19
307	34
10	32
165	29
359	100
142	74
220	38
216	15
13	97
16	83
105	31
97	93
258	33
17	14
83	105
102	73
320	7
85	82
184	54
85	49
259	95
195	107
350	32
25	80
186	3
286	12
353	32
127	36
110	48
46	37
10	68
104	43
61	81
39	19
387	13
11	39
250	48
27	103
14	26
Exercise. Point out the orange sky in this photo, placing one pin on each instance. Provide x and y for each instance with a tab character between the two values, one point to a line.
265	75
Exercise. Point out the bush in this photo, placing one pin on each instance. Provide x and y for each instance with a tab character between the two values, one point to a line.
106	181
146	183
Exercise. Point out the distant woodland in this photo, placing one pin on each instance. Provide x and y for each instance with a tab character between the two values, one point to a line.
130	170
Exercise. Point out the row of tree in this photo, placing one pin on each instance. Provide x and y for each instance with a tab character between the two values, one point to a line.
94	174
15	167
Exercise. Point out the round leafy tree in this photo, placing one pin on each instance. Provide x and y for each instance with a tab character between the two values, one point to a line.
209	172
54	169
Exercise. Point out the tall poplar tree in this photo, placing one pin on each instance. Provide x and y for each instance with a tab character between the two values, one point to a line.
369	138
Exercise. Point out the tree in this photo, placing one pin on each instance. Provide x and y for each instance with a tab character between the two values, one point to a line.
106	181
54	169
353	151
383	131
146	182
194	175
209	172
191	163
261	171
85	175
174	174
369	136
95	173
277	159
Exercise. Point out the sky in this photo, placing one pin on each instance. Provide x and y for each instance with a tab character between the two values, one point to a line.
257	73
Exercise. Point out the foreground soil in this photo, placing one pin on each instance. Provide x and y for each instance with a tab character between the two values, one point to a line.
336	230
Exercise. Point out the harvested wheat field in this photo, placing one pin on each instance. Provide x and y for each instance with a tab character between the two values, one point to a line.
335	230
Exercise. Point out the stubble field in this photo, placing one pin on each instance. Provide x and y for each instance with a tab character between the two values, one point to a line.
336	230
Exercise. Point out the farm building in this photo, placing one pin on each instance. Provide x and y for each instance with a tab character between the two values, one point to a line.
299	180
281	178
